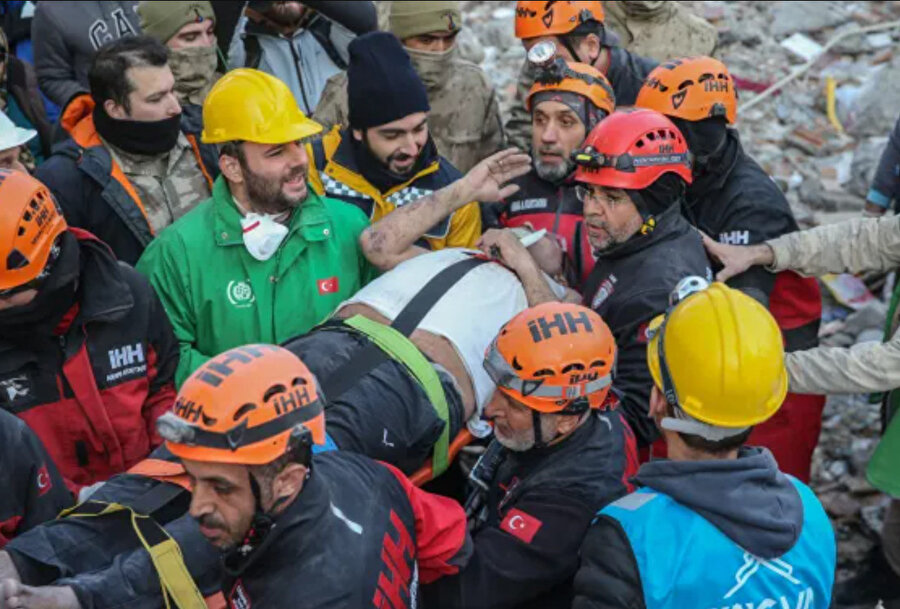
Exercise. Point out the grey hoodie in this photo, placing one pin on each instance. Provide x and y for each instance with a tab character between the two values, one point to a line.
746	498
66	35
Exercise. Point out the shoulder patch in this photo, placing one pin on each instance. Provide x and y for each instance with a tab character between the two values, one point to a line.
519	524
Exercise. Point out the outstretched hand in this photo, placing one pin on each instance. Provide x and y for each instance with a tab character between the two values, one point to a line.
736	259
488	180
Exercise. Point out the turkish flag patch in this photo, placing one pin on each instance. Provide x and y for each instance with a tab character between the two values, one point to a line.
328	286
519	524
44	483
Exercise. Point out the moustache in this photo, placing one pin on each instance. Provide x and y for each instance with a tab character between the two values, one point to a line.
211	522
551	150
293	174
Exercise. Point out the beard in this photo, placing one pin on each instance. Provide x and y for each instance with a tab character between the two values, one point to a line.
521	441
552	172
613	236
268	196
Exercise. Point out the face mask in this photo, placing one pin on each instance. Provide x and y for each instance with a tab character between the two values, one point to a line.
432	68
195	72
262	234
138	137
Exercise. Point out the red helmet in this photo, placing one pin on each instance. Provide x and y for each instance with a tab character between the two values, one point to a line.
631	149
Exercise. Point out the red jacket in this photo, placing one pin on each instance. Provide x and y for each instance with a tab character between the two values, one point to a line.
93	392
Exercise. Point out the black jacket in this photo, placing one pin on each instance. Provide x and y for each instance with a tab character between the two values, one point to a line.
549	205
626	74
629	286
540	505
32	490
736	202
359	535
384	414
108	375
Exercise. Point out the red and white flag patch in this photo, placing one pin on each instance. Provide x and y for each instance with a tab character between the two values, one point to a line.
44	483
328	286
519	524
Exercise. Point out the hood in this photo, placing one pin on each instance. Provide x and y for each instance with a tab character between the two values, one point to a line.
746	498
78	121
714	174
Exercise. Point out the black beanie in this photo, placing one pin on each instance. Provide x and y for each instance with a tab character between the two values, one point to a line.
382	85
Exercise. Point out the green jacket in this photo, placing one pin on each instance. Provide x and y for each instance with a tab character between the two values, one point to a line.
218	296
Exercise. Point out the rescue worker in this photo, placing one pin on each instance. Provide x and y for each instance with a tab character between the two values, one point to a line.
33	490
733	200
567	101
387	158
12	139
716	524
660	30
631	175
579	32
83	340
231	271
562	459
301	43
847	247
187	28
464	120
337	528
127	171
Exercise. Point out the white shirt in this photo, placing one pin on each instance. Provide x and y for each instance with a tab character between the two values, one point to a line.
469	315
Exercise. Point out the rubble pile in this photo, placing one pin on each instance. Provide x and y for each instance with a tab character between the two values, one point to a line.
824	160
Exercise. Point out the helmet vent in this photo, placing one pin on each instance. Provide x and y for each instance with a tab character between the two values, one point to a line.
573	366
685	84
598	363
27	216
15	260
543	372
515	364
273	391
244	410
298	381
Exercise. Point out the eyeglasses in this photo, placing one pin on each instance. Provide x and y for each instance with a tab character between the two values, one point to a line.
585	194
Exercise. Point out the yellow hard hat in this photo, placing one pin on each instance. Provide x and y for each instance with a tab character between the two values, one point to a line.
722	358
252	106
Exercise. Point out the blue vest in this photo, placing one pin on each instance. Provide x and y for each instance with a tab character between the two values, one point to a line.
685	562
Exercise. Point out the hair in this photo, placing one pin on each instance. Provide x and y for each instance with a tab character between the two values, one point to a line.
576	36
718	447
108	76
235	149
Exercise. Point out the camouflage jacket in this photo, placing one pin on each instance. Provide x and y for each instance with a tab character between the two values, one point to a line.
858	245
464	120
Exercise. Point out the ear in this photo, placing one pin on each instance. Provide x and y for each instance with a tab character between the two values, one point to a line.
566	424
289	481
590	48
114	110
357	135
231	169
658	405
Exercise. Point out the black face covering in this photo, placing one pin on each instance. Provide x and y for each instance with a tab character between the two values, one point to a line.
382	178
138	137
705	139
55	297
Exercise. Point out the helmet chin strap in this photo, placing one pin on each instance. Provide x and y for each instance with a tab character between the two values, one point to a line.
536	425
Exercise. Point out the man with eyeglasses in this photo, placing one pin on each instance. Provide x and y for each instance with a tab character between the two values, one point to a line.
632	174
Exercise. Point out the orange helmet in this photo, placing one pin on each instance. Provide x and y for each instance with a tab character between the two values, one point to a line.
30	224
693	89
554	358
249	405
578	78
534	19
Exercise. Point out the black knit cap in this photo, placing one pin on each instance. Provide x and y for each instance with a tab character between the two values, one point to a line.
382	85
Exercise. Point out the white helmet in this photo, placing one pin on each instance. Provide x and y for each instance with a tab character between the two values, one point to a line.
12	136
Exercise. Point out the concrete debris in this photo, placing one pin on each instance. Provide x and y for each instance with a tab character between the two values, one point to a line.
825	175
